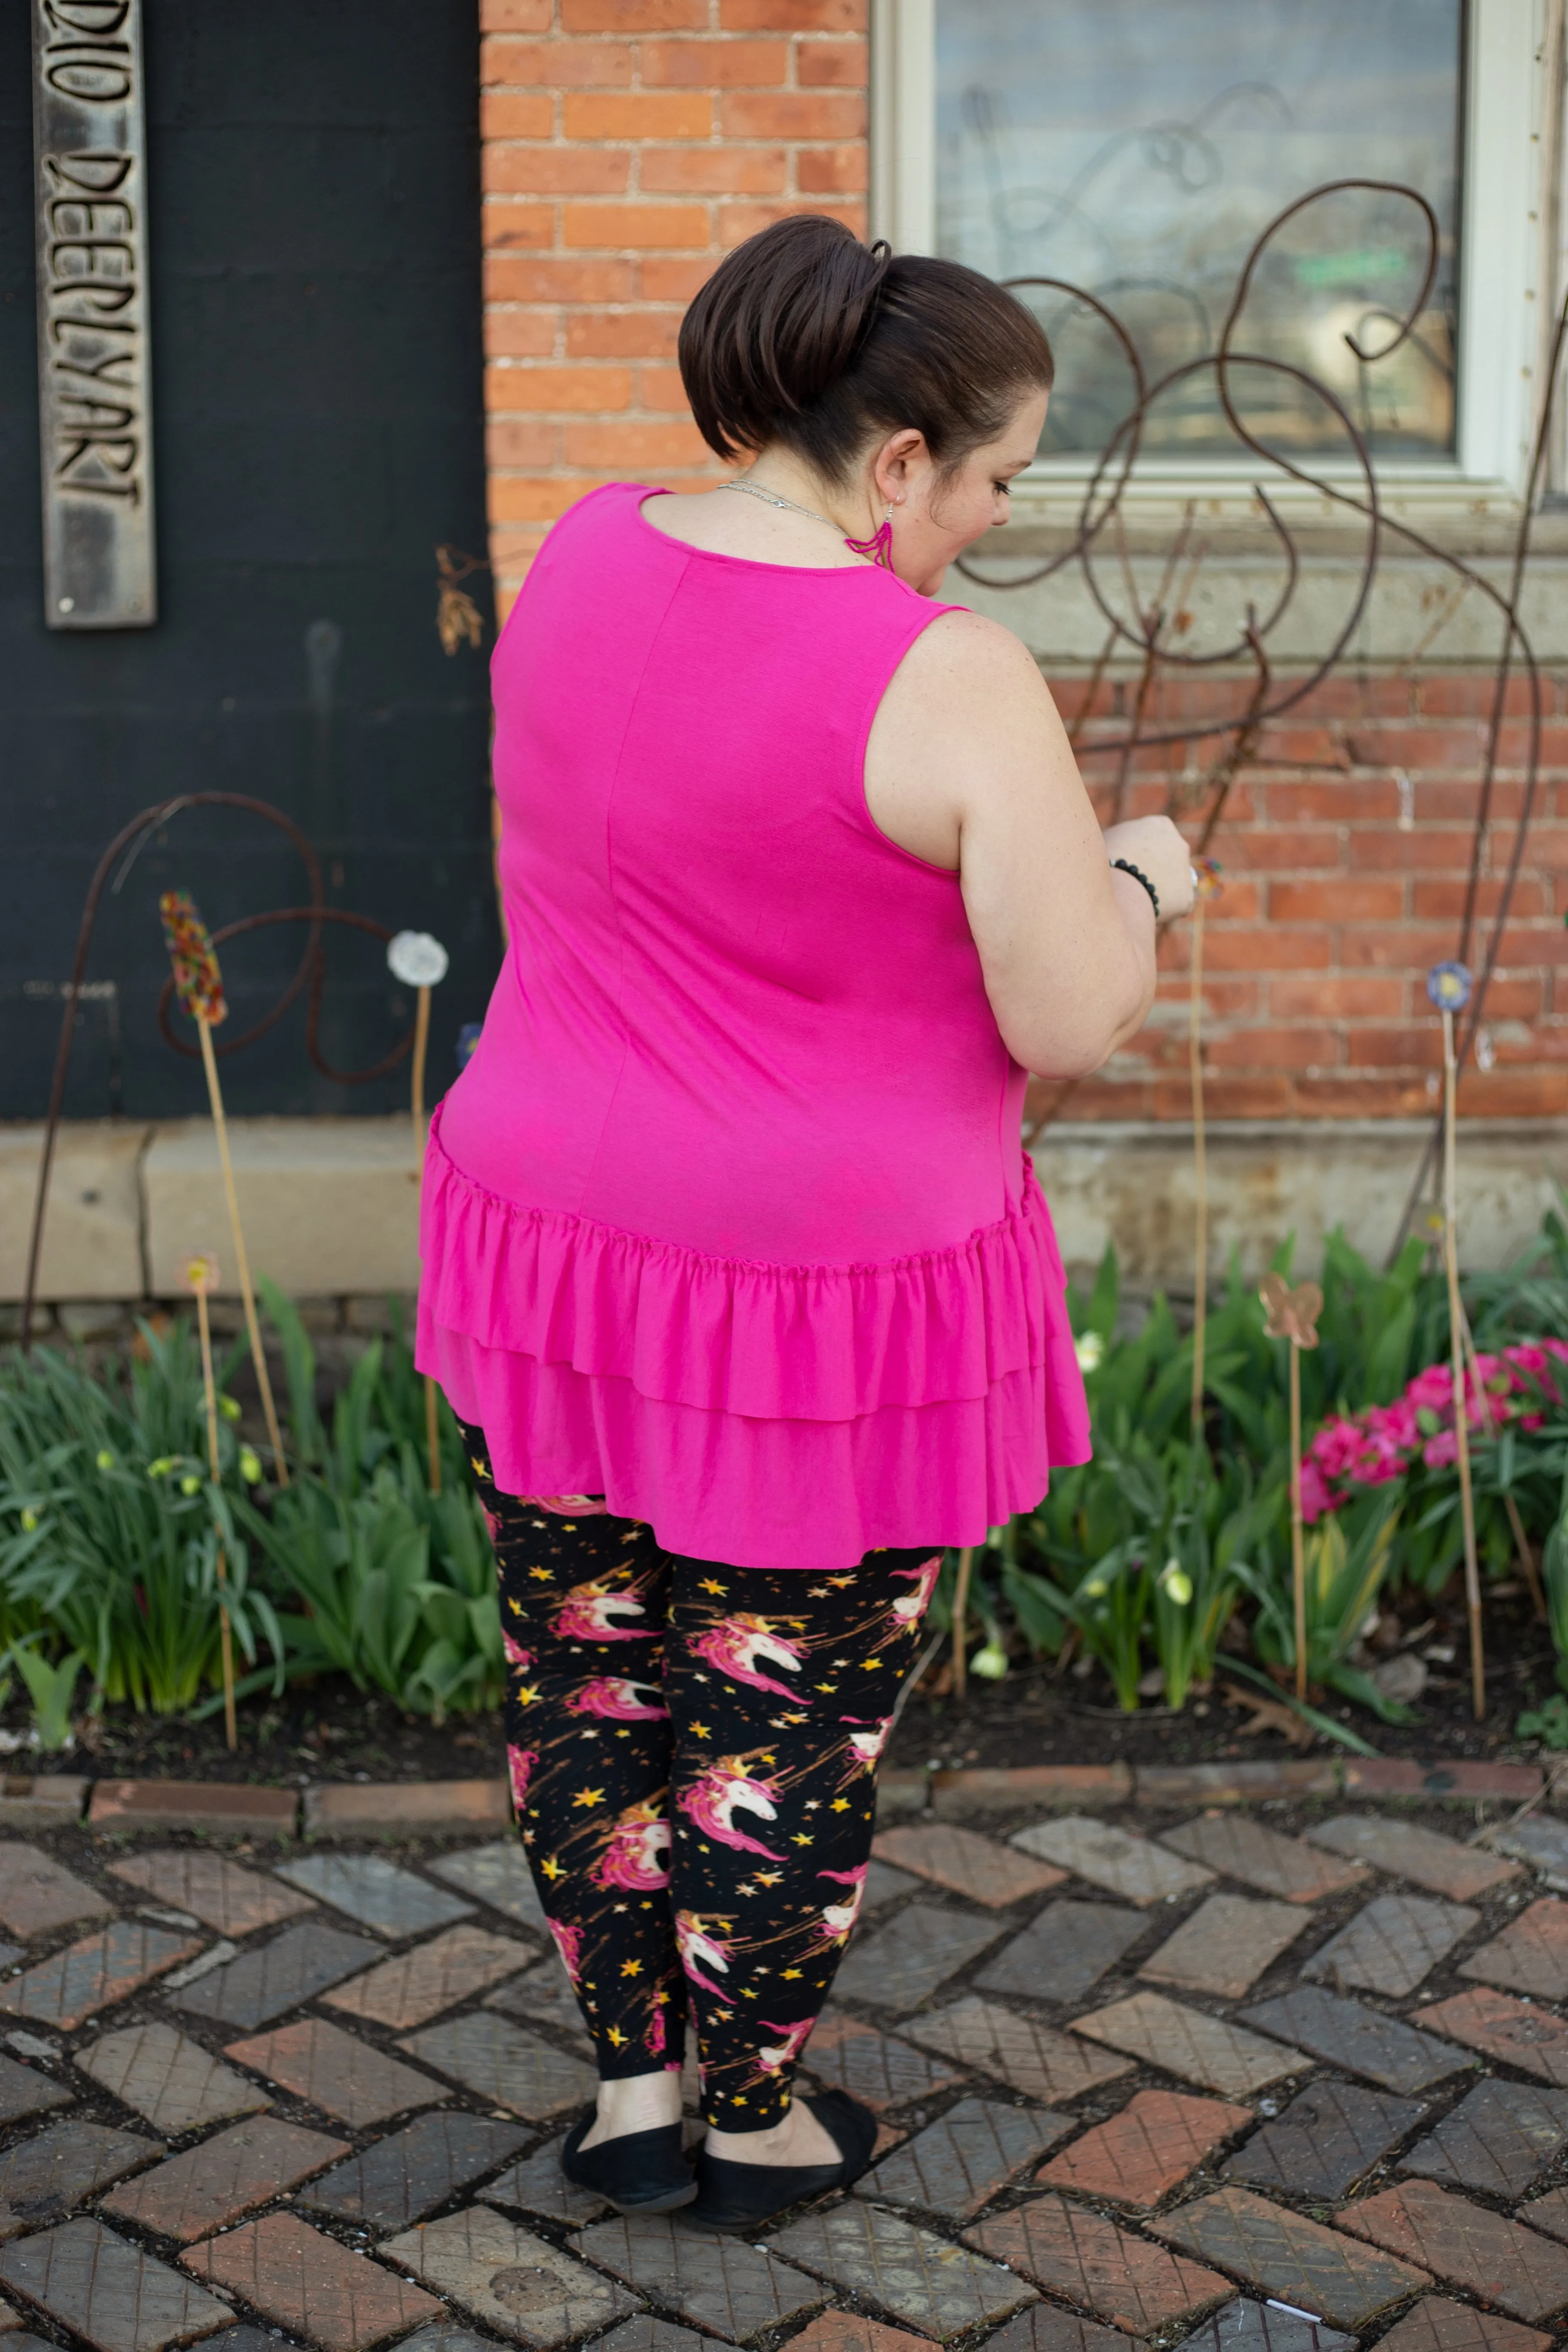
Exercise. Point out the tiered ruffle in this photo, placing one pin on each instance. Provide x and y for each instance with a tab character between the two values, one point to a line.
770	1416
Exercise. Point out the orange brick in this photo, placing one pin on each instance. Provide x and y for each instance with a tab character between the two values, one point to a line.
1356	898
792	114
516	279
834	171
644	114
1360	997
1396	947
831	65
1138	2156
1297	949
612	447
506	227
1446	846
714	65
1357	1094
1435	897
1290	849
509	442
505	115
661	389
557	170
514	16
1443	748
515	500
520	334
660	280
557	65
556	390
737	222
1277	1047
723	171
1412	1045
1342	800
1226	1096
793	15
622	334
634	224
632	15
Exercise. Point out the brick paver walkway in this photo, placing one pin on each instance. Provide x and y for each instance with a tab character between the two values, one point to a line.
1277	2079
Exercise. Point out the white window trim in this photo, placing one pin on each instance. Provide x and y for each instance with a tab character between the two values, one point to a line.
1509	141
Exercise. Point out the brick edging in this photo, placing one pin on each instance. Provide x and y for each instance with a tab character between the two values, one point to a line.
349	1809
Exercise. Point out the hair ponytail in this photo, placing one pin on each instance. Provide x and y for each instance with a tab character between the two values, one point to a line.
807	336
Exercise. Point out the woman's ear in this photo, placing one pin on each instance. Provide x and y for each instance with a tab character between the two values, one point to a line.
897	463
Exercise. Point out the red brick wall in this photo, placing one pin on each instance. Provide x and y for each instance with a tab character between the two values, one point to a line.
628	143
1339	892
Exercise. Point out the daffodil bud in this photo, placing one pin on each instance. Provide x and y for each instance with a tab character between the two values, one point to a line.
1175	1583
105	1459
1091	1351
249	1466
229	1407
190	1484
991	1663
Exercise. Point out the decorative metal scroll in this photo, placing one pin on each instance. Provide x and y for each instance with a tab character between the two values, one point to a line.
95	399
1150	630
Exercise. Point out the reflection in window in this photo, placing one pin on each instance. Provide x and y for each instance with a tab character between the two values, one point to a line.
1136	150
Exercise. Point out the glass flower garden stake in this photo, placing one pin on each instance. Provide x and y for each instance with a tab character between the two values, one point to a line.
1293	1315
1448	986
198	985
201	1276
421	962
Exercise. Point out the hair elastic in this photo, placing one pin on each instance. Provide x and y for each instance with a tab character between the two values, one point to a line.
1125	865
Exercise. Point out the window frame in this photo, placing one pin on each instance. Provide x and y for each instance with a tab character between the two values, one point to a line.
1509	145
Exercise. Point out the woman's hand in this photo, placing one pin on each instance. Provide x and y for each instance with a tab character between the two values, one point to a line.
1154	844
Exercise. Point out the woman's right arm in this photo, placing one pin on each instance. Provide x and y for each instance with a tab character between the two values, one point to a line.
969	766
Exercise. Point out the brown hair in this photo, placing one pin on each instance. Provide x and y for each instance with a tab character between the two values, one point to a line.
805	335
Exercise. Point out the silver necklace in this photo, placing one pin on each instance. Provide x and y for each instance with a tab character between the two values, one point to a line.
772	498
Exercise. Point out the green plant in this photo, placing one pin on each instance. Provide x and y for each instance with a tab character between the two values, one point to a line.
112	1525
1347	1558
50	1688
1548	1722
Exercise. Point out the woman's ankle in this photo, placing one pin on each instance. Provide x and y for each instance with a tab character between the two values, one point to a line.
796	2138
634	2103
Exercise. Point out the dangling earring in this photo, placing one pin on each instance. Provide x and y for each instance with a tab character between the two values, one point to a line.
879	547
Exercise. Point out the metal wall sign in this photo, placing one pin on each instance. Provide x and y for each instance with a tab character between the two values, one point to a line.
95	398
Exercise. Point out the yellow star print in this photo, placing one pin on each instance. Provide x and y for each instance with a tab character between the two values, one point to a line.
839	1805
588	1797
871	1664
800	1838
552	1869
702	1731
614	2035
527	1693
708	1585
542	1575
767	1877
791	1972
631	1968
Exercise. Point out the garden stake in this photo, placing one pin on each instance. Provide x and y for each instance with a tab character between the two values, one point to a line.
1448	986
1293	1315
1207	883
421	962
960	1612
198	983
201	1272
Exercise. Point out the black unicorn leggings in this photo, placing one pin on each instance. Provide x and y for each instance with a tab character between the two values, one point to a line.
694	1752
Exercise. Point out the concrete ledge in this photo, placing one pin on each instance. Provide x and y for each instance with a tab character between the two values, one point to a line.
329	1205
1132	1184
221	1807
348	1809
92	1236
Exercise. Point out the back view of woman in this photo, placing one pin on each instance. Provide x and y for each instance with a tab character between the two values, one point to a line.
734	1269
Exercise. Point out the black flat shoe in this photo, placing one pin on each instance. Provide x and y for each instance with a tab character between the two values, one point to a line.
641	2172
742	2197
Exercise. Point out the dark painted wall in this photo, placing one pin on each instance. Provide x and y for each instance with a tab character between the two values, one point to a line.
313	192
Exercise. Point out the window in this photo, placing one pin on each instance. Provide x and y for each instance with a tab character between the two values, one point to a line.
1136	148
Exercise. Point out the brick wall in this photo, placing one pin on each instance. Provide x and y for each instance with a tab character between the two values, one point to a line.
628	143
1345	849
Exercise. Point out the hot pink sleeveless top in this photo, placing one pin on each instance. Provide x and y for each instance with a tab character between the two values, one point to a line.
728	1220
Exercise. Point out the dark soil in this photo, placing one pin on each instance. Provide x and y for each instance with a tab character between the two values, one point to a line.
1039	1715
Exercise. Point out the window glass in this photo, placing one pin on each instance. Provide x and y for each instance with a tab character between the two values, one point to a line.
1135	148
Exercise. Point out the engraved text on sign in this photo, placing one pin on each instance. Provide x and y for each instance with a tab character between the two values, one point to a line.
94	375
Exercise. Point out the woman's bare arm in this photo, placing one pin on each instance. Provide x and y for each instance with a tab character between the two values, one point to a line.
969	767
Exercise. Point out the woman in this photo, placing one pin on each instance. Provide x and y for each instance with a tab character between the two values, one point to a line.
733	1269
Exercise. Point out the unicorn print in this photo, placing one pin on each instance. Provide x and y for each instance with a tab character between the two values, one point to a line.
712	1802
694	1944
637	1855
589	1611
735	1645
621	1699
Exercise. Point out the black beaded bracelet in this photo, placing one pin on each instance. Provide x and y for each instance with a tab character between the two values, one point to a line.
1125	865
